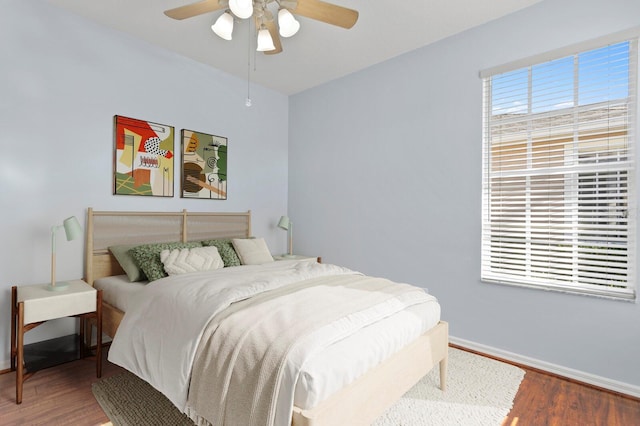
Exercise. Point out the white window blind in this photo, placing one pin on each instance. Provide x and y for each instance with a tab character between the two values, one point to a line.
559	173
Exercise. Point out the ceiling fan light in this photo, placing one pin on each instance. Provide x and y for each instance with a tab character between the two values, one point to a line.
224	26
287	23
243	9
265	42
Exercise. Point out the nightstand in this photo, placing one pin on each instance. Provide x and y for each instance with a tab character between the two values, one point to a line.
298	257
32	305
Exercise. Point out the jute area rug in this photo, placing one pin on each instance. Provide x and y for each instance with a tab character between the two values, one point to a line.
480	391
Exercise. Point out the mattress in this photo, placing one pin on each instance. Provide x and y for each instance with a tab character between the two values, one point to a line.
334	367
118	291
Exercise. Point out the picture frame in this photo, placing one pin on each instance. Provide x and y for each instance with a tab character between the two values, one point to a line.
204	165
143	158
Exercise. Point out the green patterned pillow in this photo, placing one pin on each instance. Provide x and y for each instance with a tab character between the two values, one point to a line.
226	250
147	256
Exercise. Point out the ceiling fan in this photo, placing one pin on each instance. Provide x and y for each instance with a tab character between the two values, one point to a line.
269	32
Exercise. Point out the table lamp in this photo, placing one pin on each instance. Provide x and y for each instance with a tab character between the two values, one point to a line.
72	230
286	224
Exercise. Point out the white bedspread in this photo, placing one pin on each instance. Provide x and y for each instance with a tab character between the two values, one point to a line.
158	338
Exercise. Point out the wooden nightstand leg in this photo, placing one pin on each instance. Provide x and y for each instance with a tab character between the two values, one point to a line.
99	335
14	313
20	353
83	324
88	333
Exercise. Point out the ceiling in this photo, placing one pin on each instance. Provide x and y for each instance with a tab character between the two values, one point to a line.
316	54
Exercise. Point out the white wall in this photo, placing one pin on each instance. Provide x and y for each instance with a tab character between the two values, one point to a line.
385	178
62	79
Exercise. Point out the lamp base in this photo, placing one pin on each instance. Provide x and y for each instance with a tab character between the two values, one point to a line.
60	286
289	256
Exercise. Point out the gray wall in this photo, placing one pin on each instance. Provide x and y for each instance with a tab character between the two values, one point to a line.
62	79
385	178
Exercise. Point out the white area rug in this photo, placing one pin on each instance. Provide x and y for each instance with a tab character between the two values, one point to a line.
480	391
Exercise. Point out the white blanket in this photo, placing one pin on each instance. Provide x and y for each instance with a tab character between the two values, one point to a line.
157	338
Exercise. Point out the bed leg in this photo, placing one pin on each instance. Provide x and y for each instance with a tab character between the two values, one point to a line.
443	373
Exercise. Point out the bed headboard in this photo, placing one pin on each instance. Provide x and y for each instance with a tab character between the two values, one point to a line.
107	228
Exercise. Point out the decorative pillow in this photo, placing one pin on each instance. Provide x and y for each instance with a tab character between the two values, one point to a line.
226	250
147	257
126	261
181	261
252	251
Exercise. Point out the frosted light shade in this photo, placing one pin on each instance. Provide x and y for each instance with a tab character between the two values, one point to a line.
243	9
224	26
284	222
72	228
265	42
287	23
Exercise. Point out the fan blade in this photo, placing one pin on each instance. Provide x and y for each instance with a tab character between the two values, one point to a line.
327	12
194	9
273	30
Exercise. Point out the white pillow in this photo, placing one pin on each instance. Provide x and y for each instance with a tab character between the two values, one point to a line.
181	261
252	251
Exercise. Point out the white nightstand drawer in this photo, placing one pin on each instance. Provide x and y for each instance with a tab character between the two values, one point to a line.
41	304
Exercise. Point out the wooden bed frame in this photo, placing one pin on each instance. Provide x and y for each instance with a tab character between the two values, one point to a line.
359	403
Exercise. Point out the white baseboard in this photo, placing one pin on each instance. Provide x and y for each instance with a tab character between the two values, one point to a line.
581	376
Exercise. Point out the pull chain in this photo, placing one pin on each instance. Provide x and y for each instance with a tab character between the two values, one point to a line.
248	100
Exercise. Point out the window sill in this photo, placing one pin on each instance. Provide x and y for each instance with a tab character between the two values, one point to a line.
621	297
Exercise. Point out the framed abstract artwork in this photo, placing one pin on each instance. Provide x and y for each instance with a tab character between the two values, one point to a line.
143	159
204	166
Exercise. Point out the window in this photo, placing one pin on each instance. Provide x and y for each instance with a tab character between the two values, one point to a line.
559	193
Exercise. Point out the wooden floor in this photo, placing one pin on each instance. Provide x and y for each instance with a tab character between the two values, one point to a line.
548	401
58	395
62	396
